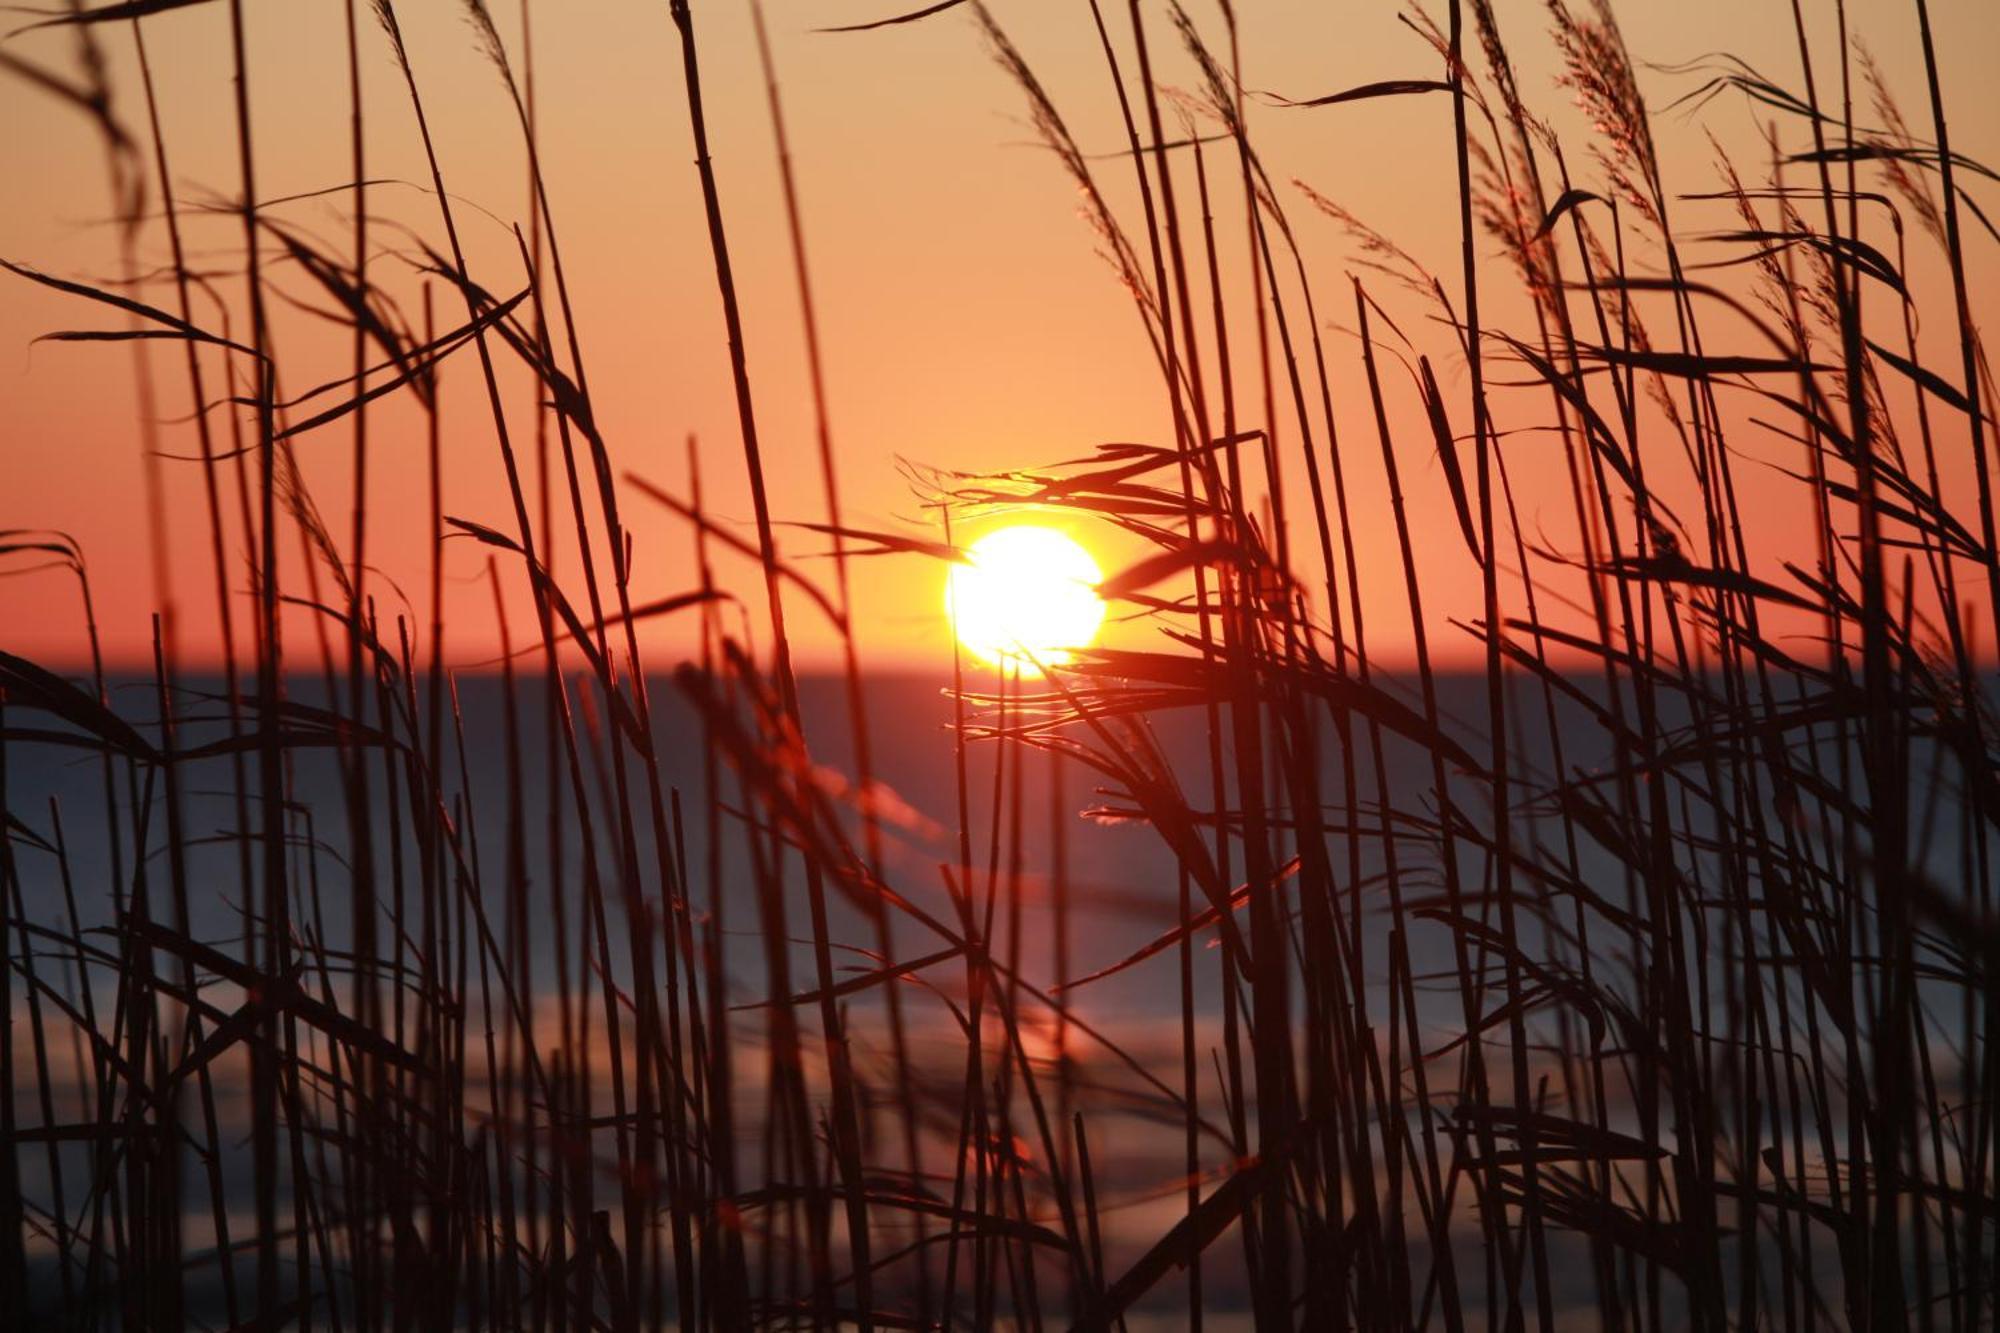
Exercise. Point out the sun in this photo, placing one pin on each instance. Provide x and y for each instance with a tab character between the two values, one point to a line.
1026	595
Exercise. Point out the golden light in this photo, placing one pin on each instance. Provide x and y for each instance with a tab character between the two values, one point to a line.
1027	595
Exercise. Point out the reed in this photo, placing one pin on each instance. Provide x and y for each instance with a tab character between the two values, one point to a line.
1639	978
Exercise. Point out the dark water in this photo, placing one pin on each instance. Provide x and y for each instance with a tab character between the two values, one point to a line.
1122	881
1121	884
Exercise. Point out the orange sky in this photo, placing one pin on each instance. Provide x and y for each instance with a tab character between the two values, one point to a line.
966	320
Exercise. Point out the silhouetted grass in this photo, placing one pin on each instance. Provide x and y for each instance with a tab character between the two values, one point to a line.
1641	980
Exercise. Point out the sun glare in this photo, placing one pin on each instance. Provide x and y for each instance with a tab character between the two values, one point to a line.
1027	596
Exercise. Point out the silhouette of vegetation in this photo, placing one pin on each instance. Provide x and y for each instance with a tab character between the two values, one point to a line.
1639	979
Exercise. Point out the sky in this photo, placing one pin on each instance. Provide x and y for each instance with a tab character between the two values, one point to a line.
966	319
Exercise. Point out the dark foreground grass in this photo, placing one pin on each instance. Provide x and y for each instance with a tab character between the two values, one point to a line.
1641	983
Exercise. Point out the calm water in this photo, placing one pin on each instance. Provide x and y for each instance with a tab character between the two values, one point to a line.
1122	885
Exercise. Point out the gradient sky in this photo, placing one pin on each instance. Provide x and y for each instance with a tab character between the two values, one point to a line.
966	320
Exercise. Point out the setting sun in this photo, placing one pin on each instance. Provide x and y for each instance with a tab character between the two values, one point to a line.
1027	595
